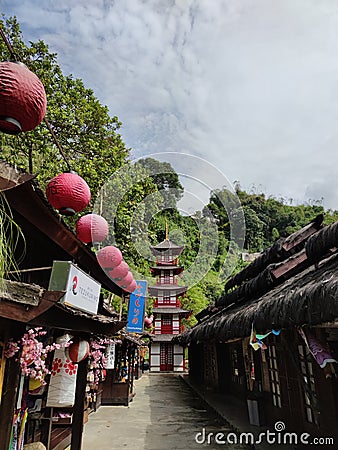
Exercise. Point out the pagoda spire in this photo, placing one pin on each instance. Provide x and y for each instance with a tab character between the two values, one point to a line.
166	231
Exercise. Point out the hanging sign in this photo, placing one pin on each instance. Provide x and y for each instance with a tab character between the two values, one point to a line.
110	356
82	291
136	307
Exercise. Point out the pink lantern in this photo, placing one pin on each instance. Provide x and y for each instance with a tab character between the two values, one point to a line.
109	257
131	287
148	321
23	99
92	228
78	350
68	192
125	281
119	271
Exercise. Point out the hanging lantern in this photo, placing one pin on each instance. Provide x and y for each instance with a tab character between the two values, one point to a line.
131	287
68	192
109	257
23	99
78	350
148	321
125	281
119	271
92	228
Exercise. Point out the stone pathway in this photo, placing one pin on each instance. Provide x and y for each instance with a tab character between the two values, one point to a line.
164	415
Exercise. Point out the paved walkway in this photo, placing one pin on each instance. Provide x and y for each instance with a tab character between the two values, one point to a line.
164	415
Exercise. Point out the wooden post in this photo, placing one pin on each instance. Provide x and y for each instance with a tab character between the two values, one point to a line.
8	402
78	409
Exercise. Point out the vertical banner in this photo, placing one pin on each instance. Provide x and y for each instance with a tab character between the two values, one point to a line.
136	307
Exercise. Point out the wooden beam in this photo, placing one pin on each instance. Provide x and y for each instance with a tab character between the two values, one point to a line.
289	265
299	236
27	294
25	312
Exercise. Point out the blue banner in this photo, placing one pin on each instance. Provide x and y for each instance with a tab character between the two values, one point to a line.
136	307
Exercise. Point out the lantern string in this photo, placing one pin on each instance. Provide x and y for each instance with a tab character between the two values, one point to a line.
8	45
57	143
16	59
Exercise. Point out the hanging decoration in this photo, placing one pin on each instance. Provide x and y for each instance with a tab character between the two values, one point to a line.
78	350
68	192
256	340
109	257
148	321
33	353
23	99
119	271
131	287
316	348
92	228
125	281
62	385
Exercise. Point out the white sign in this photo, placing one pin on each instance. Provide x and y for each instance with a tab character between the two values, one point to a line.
110	355
82	291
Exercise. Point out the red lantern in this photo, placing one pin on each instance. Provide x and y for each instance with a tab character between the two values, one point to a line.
78	350
131	287
92	228
119	271
125	281
23	99
109	257
68	192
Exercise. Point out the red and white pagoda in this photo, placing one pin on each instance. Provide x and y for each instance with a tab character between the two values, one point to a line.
164	356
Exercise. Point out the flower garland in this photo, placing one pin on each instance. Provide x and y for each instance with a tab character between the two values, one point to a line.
98	358
33	353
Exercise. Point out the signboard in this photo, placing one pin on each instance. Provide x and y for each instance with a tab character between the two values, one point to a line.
82	291
110	355
136	307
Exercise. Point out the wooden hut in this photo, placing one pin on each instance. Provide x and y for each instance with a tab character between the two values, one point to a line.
27	302
267	333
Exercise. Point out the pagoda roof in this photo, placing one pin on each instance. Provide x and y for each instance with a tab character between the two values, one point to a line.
170	310
166	245
168	287
162	337
167	267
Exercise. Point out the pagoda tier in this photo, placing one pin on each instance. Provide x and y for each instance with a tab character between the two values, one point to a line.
167	248
168	288
157	270
169	310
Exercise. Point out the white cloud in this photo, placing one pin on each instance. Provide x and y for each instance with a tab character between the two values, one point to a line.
249	86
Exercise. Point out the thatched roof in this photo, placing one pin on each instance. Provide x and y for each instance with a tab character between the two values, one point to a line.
282	249
307	298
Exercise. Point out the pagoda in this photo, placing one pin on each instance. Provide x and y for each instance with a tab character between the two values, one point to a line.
165	356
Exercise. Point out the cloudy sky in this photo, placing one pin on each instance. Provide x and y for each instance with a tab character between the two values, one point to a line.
251	86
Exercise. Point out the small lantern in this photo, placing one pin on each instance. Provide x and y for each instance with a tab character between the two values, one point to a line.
125	281
119	271
68	192
78	350
148	321
131	287
92	228
109	257
23	99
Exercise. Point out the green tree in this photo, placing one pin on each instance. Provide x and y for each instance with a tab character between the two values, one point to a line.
88	135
